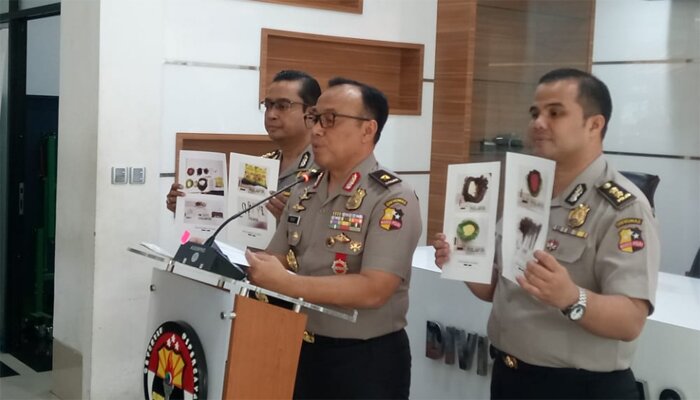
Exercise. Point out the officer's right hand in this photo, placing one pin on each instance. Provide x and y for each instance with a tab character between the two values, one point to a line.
442	249
173	194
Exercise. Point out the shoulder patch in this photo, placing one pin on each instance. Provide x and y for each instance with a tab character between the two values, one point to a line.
385	178
628	221
275	155
616	195
395	200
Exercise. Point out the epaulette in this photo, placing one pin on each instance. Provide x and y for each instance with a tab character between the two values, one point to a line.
385	178
616	195
275	155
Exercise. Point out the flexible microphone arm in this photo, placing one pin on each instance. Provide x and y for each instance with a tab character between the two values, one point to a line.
305	177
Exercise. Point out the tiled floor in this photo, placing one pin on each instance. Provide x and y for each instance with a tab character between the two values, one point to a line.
27	385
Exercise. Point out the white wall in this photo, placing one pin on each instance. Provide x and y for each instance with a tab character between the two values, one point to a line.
109	115
76	182
648	52
224	100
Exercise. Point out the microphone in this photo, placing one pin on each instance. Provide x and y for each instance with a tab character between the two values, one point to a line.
208	256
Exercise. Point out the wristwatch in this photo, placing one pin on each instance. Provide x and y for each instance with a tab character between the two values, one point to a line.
575	311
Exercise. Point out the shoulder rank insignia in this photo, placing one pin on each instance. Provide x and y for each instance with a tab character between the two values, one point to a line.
385	178
616	195
275	155
304	161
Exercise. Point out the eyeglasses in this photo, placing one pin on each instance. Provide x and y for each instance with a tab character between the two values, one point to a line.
327	119
280	105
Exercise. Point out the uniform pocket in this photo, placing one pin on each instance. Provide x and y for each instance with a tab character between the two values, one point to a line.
570	248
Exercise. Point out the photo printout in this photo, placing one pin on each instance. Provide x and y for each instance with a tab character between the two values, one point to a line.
471	201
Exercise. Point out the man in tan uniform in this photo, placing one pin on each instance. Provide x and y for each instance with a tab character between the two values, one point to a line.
350	238
568	329
287	99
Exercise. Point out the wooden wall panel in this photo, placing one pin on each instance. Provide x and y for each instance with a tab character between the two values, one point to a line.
394	68
489	57
454	63
352	6
519	46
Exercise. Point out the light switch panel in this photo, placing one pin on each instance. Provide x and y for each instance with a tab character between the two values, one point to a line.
137	175
119	175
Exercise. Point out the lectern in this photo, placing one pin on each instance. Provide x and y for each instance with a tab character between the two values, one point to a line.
202	347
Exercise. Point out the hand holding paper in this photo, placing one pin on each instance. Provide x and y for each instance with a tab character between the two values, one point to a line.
548	281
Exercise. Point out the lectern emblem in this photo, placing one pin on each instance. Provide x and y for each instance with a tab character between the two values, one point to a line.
175	367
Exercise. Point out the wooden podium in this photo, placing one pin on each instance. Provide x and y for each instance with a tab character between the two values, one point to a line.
250	350
263	351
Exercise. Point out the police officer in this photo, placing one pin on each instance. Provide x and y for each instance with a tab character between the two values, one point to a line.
287	99
350	237
568	328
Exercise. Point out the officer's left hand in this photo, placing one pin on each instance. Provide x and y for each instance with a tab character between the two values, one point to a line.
549	281
266	270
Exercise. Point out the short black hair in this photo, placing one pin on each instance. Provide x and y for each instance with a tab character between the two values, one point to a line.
310	89
373	100
593	94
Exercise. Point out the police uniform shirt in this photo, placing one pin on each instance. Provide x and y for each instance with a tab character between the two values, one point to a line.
602	230
303	163
367	223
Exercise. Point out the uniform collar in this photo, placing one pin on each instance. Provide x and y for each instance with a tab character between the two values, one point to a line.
303	162
586	179
361	171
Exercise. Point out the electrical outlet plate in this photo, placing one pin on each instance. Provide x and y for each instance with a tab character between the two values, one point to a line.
137	175
120	175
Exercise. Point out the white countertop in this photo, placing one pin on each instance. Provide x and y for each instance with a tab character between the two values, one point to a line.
677	296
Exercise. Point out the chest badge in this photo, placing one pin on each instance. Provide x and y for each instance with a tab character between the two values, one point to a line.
355	201
292	261
305	195
355	247
344	221
552	244
340	265
577	216
339	238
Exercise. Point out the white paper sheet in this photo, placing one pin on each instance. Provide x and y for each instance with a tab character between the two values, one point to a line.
471	202
526	200
234	254
203	175
251	180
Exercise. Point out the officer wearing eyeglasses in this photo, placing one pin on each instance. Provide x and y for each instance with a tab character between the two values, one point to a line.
350	237
288	97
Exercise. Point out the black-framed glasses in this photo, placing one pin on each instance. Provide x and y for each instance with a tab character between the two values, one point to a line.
281	105
327	119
